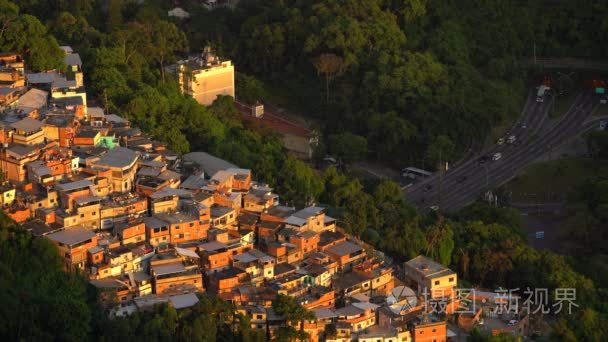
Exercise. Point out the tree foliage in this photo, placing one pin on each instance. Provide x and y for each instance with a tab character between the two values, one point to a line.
25	34
33	284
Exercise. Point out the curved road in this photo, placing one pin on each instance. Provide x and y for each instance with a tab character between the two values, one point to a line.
464	183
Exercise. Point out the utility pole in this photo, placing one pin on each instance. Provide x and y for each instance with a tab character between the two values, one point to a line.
440	178
487	178
105	96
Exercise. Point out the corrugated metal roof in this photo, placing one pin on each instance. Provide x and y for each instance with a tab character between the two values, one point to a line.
295	221
183	301
74	185
72	59
186	252
34	98
344	248
208	163
27	125
42	77
71	236
118	157
154	222
160	270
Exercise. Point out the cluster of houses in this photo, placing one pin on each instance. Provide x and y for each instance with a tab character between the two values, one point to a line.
147	226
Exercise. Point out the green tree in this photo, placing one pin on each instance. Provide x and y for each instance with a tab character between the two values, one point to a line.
249	89
331	66
33	284
440	243
389	133
298	183
168	41
25	34
294	314
441	150
348	147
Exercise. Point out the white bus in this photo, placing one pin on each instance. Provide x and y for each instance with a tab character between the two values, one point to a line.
415	173
541	93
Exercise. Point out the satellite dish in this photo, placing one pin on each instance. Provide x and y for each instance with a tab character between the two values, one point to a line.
402	298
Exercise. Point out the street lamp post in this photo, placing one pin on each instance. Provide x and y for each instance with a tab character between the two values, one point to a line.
487	178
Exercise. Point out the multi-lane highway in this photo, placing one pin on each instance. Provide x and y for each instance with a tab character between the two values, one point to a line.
536	136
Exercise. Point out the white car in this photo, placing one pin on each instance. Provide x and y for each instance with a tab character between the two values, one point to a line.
434	208
511	139
500	141
330	160
497	156
512	322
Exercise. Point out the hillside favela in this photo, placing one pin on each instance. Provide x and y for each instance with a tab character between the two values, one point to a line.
331	170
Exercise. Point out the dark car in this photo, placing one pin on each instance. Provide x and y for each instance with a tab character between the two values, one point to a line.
427	188
483	159
462	178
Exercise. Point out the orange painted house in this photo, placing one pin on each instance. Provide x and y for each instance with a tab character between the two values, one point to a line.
430	332
132	231
306	242
225	280
73	244
18	214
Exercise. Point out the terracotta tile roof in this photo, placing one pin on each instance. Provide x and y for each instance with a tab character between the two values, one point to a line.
274	122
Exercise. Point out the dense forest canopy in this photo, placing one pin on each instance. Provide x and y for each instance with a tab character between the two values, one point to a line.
395	81
411	70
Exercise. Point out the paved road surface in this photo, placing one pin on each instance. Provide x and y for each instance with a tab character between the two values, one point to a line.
539	138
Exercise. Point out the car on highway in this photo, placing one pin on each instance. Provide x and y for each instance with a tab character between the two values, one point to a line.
524	126
434	207
462	178
500	141
511	139
483	159
497	156
427	188
330	160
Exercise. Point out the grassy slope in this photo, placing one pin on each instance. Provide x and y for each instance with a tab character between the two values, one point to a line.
554	180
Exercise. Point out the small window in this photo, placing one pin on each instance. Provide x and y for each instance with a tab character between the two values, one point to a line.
451	279
94	213
258	316
191	224
81	215
436	282
434	330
